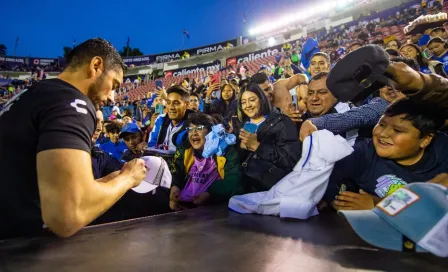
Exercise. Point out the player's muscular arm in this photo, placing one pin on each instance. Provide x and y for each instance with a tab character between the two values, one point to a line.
70	198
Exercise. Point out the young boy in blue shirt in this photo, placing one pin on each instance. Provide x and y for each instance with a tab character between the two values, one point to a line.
406	147
115	147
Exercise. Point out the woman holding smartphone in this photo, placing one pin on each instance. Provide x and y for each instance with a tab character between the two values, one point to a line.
225	105
269	141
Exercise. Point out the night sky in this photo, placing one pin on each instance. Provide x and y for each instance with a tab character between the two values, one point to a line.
45	27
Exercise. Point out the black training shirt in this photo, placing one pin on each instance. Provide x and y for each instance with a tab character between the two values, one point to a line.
50	115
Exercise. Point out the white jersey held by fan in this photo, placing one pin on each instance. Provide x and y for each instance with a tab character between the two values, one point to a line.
296	195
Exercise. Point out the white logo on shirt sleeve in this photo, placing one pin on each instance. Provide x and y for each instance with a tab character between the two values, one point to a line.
76	104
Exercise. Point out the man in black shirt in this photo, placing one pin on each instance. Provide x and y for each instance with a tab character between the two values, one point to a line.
45	143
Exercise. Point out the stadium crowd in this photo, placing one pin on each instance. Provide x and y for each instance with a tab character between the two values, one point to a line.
397	131
261	158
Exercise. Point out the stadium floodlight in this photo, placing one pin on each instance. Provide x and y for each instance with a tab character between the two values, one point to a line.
329	5
342	3
301	15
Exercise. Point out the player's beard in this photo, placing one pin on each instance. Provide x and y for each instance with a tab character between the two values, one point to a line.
94	91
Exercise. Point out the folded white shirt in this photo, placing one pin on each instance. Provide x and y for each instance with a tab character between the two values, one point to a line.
297	194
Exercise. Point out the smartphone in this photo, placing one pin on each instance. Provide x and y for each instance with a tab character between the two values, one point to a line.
159	109
152	110
215	78
249	127
295	99
159	84
427	54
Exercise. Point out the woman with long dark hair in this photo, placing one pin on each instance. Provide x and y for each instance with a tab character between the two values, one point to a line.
269	141
226	105
426	66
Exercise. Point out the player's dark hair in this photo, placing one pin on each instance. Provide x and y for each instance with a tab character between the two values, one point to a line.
97	47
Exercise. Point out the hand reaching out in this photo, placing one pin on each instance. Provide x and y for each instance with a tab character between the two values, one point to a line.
353	201
211	89
174	198
306	130
161	92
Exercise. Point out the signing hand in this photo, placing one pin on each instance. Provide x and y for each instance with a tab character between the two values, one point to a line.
353	201
307	129
249	140
135	170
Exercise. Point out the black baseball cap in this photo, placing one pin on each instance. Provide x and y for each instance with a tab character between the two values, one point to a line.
359	74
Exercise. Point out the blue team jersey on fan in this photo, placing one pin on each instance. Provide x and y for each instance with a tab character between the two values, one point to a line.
443	59
425	70
115	150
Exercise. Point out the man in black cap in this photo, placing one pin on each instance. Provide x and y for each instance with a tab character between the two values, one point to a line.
47	179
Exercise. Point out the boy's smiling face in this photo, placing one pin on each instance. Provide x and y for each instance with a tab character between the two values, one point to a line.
397	139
